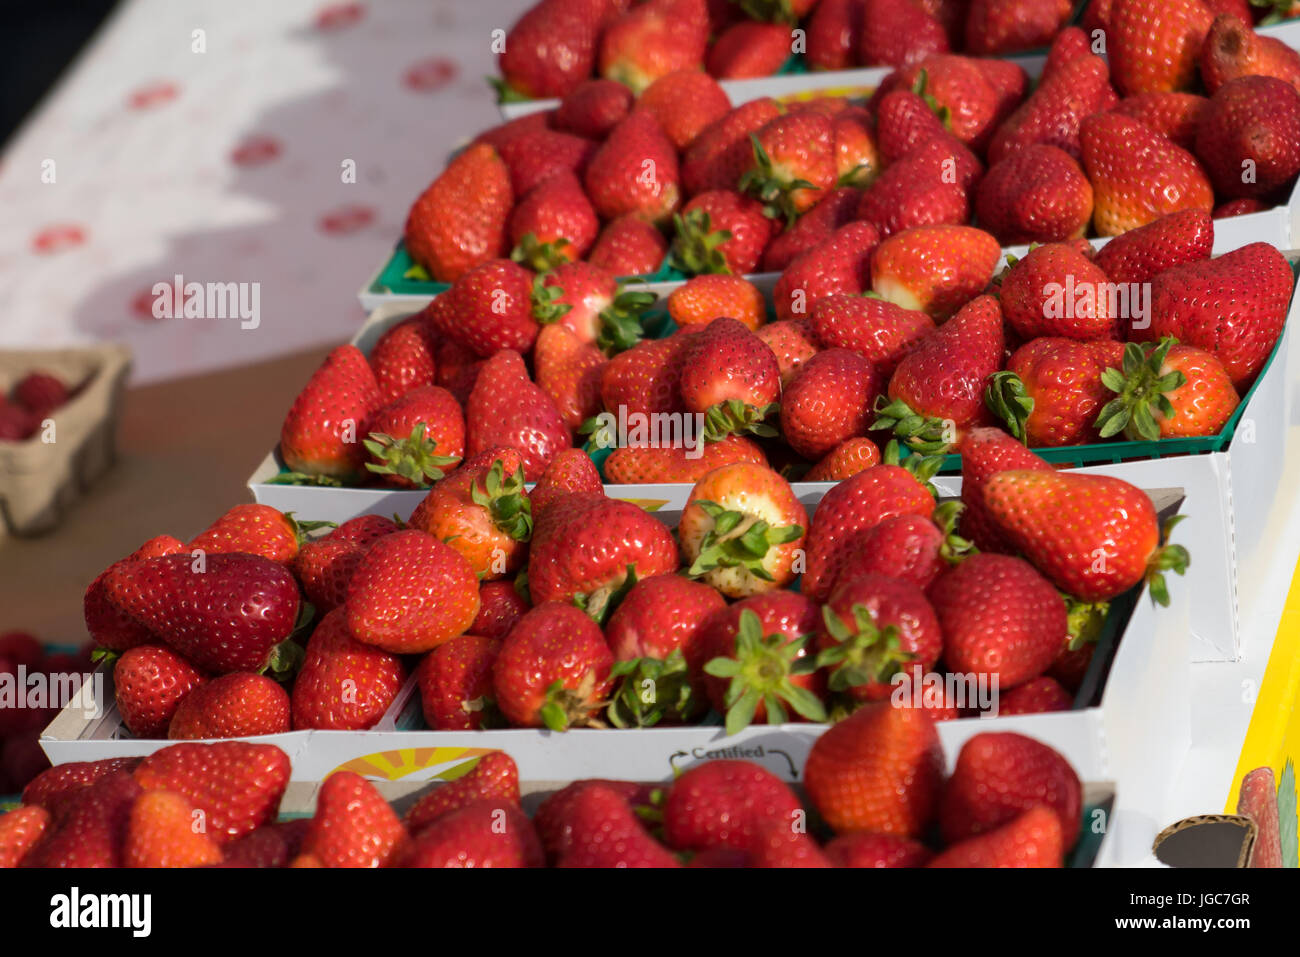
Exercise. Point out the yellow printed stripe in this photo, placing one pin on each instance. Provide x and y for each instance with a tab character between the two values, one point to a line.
401	762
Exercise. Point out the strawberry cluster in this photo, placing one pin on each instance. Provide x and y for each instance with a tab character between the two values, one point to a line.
32	398
876	782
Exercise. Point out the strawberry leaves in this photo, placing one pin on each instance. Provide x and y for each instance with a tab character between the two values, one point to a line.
864	653
1174	558
414	459
929	435
1007	399
505	501
774	192
1142	390
733	544
697	248
652	690
736	417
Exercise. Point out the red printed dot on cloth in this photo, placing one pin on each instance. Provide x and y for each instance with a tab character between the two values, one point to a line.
55	239
255	151
346	219
153	94
339	16
429	75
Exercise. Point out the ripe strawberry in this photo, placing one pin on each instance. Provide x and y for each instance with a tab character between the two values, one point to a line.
554	223
231	706
1171	114
828	402
970	103
1232	307
568	372
16	423
1038	194
455	681
757	661
1167	391
491	309
984	453
652	40
722	151
460	220
569	472
416	437
1055	290
645	378
905	119
161	832
1249	136
703	299
724	803
497	136
936	269
324	429
52	788
596	827
792	342
1155	50
642	464
660	615
749	49
845	460
684	103
834	33
1039	696
410	593
635	171
998	27
880	770
898	33
40	393
1233	49
629	246
221	612
732	377
254	530
551	49
493	777
324	568
457	366
1055	110
1033	839
873	327
555	816
593	108
272	846
353	825
906	547
507	409
20	830
929	186
721	231
365	529
742	529
235	784
405	357
344	684
840	264
22	648
150	682
553	669
1112	545
794	163
1052	390
486	833
1140	254
587	301
89	830
540	155
778	844
864	849
857	160
838	207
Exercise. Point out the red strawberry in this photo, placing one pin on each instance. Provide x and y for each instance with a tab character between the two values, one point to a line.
494	777
16	423
22	648
905	120
837	207
1037	194
150	682
540	155
1055	290
1039	696
635	171
1232	307
222	612
1052	390
794	163
324	429
874	328
1174	115
834	33
757	660
725	803
40	393
936	269
984	453
90	829
568	372
781	845
161	833
254	530
551	49
600	829
644	379
231	706
491	309
972	105
570	471
930	185
1232	49
1033	839
732	377
792	342
405	357
880	770
857	160
684	103
660	615
654	39
272	846
457	366
1054	111
556	816
365	529
701	300
906	547
586	300
897	33
344	685
235	784
841	264
353	825
748	49
640	464
507	409
455	681
721	231
828	402
410	593
324	568
415	437
460	220
1249	136
553	669
52	788
1113	544
998	27
593	108
1155	50
845	460
20	830
629	246
554	223
481	834
722	151
1167	391
497	136
864	849
1140	254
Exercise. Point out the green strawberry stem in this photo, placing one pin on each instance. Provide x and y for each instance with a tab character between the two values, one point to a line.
942	112
760	671
762	182
773	11
652	690
738	541
414	458
286	658
301	528
505	500
566	708
622	321
302	478
542	257
864	653
1007	399
922	467
697	246
953	549
1084	620
600	604
927	434
105	656
505	92
736	417
545	300
1167	558
1141	392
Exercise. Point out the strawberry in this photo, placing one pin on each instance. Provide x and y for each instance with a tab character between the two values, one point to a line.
928	186
1033	839
493	777
641	464
555	816
344	685
1140	254
857	160
1038	696
460	220
254	530
415	437
837	207
272	846
231	706
324	568
598	828
353	825
873	327
568	372
1233	49
732	377
1037	194
905	119
90	829
52	788
1232	307
721	231
455	681
749	49
684	103
757	660
971	105
1174	115
1249	136
22	648
1155	50
405	357
1052	390
570	471
778	11
792	342
724	803
794	163
873	625
221	612
936	393
593	108
150	682
323	431
864	849
586	300
880	770
20	830
936	269
109	625
554	223
652	40
486	833
161	832
40	393
645	378
828	402
235	784
985	452
1167	391
501	134
741	530
629	246
703	299
898	33
906	547
507	409
16	423
778	844
635	171
457	366
491	309
1055	110
1112	545
834	33
722	152
998	27
1055	290
551	49
840	264
845	460
540	155
553	669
